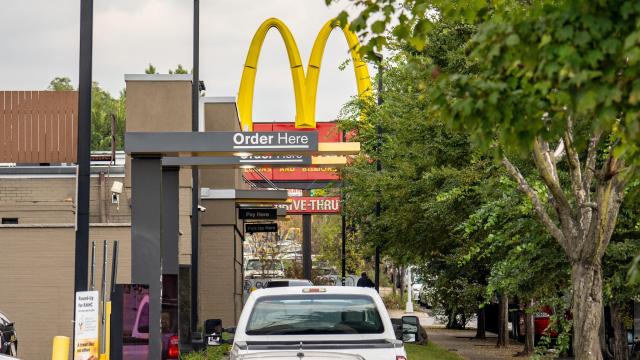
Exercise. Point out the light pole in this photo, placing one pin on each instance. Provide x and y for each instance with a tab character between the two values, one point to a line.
195	188
84	146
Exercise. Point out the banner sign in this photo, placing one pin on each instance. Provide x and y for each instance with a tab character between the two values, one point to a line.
313	205
86	326
258	213
256	228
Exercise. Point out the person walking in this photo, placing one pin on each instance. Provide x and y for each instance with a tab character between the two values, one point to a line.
364	281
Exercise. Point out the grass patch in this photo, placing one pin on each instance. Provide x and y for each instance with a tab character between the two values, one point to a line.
414	352
430	352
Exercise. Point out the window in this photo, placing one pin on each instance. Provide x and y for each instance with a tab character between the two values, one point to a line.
315	314
9	221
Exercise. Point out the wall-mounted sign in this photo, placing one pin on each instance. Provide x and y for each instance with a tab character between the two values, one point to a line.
258	213
256	228
86	326
313	205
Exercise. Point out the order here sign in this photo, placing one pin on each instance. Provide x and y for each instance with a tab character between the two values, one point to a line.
313	205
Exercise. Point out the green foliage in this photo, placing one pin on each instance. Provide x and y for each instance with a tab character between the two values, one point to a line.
210	353
178	70
150	70
60	84
103	107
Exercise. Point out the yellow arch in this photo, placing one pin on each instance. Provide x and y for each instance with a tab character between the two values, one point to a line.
304	87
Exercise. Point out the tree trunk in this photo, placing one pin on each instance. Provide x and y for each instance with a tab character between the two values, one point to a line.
587	310
619	335
529	329
481	330
394	272
503	318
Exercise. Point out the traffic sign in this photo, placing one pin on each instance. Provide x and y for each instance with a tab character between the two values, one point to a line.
258	213
266	227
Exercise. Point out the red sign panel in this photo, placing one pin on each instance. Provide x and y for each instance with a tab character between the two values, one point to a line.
313	205
327	132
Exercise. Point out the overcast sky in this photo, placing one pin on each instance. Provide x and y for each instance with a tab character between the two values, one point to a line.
40	38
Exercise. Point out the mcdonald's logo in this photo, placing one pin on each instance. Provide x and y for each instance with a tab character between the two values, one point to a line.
305	87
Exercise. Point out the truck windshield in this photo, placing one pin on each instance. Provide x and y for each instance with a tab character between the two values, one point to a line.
314	314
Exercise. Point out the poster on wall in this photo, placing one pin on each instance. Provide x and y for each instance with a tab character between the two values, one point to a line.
86	326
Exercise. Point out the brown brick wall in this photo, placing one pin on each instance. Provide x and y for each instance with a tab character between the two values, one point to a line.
36	275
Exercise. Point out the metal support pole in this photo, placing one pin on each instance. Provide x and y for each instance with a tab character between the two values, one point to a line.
84	146
378	169
103	296
306	243
92	285
195	187
146	239
114	268
306	246
344	229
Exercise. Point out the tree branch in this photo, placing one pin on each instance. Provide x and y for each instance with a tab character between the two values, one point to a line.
590	164
574	164
524	186
549	173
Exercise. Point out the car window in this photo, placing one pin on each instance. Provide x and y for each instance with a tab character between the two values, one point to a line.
314	314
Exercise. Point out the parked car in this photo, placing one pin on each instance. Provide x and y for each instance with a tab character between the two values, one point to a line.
315	323
8	337
288	283
254	268
416	288
137	345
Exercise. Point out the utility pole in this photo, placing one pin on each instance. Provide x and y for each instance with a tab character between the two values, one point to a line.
84	146
195	188
378	169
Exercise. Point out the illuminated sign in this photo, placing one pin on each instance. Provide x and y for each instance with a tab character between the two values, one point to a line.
305	87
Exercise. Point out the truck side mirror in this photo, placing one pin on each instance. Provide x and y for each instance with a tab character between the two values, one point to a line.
410	329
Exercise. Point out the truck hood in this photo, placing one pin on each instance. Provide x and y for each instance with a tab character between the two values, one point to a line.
300	355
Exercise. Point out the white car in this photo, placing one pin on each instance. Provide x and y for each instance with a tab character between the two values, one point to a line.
316	323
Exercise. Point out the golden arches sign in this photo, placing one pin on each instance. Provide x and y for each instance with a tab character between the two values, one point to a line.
304	87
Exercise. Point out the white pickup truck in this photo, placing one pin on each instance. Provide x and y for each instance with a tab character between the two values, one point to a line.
314	323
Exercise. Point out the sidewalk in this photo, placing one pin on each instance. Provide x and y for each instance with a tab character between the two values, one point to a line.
462	342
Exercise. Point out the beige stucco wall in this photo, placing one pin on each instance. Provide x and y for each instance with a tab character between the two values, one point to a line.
36	277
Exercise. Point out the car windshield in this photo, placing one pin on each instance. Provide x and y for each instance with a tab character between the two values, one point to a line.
257	265
314	314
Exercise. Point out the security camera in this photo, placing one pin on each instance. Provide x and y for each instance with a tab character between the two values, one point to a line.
202	208
116	188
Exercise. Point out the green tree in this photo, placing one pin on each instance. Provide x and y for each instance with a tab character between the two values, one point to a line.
60	84
103	108
557	80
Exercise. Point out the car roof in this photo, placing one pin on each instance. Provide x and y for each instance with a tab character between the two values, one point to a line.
344	290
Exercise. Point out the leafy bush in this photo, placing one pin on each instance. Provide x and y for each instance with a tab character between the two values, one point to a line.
211	353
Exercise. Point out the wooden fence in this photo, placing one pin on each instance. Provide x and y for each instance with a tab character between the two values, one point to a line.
38	126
